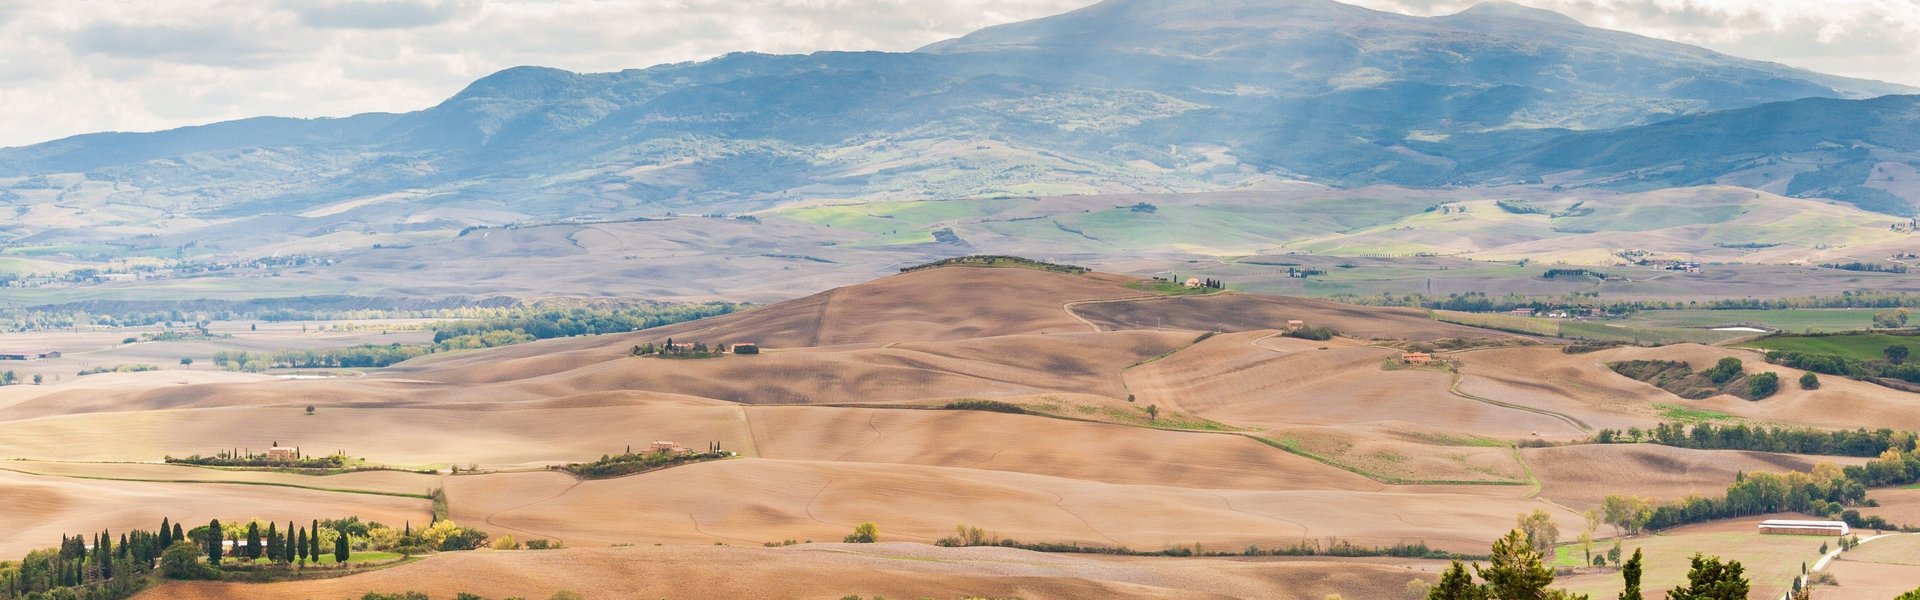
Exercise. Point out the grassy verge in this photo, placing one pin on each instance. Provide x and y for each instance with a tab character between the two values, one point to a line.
1686	414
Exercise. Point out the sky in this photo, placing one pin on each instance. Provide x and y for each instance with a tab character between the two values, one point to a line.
79	66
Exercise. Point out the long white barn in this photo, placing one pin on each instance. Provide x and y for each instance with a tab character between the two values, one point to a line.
1792	527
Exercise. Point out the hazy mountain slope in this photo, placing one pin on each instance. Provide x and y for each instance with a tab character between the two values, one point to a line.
1862	151
1127	96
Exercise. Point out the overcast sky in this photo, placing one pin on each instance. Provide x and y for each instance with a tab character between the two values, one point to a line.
77	66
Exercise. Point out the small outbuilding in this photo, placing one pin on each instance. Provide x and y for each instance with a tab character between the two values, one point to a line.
1296	325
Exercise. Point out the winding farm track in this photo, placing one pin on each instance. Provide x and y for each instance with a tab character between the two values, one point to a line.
1454	388
1069	306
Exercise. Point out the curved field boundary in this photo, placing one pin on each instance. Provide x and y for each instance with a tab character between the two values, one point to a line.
1069	306
1276	444
1454	388
226	482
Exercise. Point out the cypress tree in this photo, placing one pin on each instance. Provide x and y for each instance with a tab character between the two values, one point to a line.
213	542
253	540
300	546
105	551
273	542
179	533
291	551
166	534
313	547
1631	572
340	549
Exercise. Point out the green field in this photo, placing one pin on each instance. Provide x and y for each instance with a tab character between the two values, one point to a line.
1771	561
1817	320
1685	414
1861	346
1586	330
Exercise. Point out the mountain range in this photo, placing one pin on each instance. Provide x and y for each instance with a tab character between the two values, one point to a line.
1123	96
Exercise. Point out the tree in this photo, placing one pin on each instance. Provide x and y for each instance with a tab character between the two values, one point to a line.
37	378
1897	353
1153	412
213	542
1710	579
1590	521
1456	584
1541	532
313	548
300	546
178	533
1613	554
865	533
1628	513
340	549
273	543
1724	371
291	549
186	361
1631	573
1516	572
253	540
166	533
309	410
1913	595
182	561
1763	385
1809	381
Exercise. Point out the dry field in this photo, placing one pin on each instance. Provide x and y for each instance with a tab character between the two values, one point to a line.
836	570
1252	439
1883	568
42	508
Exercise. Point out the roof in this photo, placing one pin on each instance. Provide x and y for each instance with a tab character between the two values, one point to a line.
1793	523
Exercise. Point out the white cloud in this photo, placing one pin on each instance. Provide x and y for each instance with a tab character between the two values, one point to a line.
76	66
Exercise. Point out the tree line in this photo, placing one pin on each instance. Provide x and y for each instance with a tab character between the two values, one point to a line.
1828	491
1482	302
570	322
1895	366
1789	440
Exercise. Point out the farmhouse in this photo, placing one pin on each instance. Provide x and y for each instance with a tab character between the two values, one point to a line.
1416	358
1296	324
668	447
1791	527
283	454
29	355
1193	282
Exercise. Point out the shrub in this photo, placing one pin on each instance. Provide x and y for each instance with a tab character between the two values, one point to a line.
1759	387
865	533
986	405
182	561
1809	381
1724	371
1318	334
394	596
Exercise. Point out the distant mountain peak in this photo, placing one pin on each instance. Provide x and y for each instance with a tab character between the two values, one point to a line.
1501	9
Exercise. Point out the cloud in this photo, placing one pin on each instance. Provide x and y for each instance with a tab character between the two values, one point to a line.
379	14
76	66
197	44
